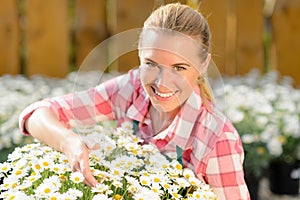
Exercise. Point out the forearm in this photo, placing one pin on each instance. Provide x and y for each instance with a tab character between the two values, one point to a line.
45	127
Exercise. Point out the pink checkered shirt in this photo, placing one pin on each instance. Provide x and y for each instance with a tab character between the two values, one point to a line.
211	146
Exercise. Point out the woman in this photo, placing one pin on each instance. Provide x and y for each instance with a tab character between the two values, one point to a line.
167	97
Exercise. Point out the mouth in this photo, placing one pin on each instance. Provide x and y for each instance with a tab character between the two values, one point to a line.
162	95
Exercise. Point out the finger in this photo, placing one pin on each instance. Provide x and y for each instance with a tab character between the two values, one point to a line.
90	183
87	173
95	147
89	178
74	166
90	144
92	147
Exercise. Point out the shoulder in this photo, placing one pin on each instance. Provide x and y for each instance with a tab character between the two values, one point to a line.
129	78
229	142
215	129
123	82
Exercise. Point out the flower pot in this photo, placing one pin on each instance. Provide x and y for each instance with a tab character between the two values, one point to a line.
284	177
253	184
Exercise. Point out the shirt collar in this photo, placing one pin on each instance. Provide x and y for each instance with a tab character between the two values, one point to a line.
186	119
138	111
181	128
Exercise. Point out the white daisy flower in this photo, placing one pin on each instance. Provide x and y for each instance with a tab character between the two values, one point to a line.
5	167
45	163
19	172
127	125
146	194
11	182
44	190
100	188
117	183
195	181
58	168
77	177
75	193
182	182
101	197
145	180
16	195
187	173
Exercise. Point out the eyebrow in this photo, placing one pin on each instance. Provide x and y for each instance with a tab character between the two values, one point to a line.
176	64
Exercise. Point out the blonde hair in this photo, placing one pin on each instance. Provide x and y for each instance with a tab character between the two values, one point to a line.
182	18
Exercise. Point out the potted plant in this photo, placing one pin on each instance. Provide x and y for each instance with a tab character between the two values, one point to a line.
266	112
284	166
123	167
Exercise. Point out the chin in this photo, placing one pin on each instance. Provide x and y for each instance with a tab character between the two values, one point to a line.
165	107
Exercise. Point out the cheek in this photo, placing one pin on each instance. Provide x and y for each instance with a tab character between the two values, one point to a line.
193	80
189	81
145	76
187	85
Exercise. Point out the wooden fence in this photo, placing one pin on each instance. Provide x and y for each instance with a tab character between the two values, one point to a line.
52	37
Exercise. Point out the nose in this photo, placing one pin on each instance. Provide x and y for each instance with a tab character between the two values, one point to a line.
164	76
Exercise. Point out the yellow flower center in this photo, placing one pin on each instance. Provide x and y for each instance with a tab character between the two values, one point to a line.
116	172
12	197
14	185
77	179
260	150
18	172
178	167
118	197
37	166
4	168
156	180
47	190
56	169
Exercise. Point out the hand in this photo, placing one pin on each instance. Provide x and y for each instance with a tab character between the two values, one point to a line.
44	125
77	153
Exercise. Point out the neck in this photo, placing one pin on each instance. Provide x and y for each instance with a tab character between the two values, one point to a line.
164	115
160	119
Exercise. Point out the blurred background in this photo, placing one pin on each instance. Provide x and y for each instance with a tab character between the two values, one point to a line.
52	38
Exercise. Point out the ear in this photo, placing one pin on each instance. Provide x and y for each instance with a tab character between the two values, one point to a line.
205	64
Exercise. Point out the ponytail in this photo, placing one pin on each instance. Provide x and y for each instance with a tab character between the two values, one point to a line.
205	92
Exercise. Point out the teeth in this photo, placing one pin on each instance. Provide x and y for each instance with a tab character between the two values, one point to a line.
164	95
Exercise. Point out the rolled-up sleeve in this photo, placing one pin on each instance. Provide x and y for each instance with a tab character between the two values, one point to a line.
26	113
108	100
83	108
224	170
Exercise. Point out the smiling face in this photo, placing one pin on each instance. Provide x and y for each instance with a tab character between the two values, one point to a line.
170	65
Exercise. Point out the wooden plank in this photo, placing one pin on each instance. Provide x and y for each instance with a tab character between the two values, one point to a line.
286	27
90	29
47	37
215	12
123	16
174	1
231	31
9	38
249	38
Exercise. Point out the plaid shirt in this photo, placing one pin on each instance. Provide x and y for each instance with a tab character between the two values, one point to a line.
210	145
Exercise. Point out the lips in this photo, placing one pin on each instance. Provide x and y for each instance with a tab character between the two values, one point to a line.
163	95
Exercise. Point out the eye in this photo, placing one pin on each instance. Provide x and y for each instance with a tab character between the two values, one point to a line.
179	68
151	64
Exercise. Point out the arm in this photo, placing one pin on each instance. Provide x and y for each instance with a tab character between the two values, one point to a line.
224	171
45	126
50	120
87	107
